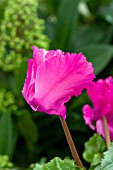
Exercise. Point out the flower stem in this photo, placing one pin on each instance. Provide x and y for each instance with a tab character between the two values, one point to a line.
71	143
106	131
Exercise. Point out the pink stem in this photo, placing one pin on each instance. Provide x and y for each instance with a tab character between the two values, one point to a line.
71	143
106	131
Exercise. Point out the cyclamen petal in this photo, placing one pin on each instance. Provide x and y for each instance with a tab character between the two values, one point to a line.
56	77
38	55
88	116
100	130
101	95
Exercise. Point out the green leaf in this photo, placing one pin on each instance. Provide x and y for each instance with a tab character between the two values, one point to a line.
6	134
67	19
99	55
79	101
27	127
97	158
107	162
88	34
107	12
58	164
96	161
3	4
3	81
97	168
21	75
94	5
95	145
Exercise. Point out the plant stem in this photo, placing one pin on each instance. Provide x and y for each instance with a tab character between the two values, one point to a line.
71	143
106	131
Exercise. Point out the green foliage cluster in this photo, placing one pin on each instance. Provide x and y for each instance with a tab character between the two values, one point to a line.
7	101
105	162
5	164
20	29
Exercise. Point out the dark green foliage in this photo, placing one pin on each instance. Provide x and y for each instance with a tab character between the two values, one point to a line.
99	55
106	11
27	128
6	134
20	28
66	19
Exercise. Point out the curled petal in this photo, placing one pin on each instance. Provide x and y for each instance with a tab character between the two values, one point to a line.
38	55
28	80
88	116
61	77
53	77
100	128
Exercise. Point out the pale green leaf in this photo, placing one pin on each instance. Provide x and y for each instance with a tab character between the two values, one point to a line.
97	158
38	167
58	164
107	162
97	168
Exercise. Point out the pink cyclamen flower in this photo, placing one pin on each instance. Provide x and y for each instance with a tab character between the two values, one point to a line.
53	77
101	95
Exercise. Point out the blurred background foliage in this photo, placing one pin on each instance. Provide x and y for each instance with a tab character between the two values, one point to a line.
69	25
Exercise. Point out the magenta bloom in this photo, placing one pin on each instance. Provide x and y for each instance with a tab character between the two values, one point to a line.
53	77
101	95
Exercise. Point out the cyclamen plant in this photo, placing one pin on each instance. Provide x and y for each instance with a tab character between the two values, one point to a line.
101	95
53	77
